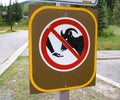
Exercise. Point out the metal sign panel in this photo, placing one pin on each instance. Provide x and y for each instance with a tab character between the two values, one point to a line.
64	54
62	48
77	2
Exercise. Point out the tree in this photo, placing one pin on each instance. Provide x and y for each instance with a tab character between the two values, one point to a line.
110	7
17	12
102	16
110	4
25	9
8	15
116	13
1	10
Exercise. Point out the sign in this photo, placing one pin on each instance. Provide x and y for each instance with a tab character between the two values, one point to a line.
78	2
52	43
62	48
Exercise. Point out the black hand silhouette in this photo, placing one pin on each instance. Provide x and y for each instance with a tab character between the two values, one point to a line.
57	54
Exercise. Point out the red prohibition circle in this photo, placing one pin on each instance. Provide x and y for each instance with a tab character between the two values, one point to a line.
51	28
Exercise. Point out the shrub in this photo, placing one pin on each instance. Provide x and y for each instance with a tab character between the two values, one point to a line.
107	32
116	14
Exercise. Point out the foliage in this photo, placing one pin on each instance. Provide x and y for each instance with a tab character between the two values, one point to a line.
107	32
109	43
110	4
102	20
1	9
16	12
116	13
21	25
108	13
25	9
0	15
110	40
25	6
0	19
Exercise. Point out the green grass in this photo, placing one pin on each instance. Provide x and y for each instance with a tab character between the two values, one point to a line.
115	28
109	43
14	82
22	25
14	85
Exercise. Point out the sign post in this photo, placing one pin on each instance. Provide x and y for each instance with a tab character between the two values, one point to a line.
62	48
62	95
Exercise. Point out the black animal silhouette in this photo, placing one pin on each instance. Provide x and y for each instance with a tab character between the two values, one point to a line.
76	42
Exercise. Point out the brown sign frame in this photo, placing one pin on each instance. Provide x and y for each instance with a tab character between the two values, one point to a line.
34	84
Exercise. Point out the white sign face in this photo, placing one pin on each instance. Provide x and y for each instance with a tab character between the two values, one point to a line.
78	2
64	44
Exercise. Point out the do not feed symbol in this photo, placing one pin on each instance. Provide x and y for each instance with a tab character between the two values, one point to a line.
75	42
63	44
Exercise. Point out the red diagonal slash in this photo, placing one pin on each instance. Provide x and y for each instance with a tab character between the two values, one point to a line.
65	43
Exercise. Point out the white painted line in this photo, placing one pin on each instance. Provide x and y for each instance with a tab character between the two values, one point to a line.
6	65
116	84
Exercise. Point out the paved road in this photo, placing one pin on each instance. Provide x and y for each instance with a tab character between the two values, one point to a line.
9	43
108	64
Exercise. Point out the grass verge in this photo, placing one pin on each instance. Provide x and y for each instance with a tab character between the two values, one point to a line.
109	43
22	25
14	85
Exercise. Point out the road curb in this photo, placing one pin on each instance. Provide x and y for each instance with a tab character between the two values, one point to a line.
116	84
6	65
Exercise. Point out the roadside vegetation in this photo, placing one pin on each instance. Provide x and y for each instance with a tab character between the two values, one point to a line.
14	85
109	43
14	16
108	21
110	40
21	25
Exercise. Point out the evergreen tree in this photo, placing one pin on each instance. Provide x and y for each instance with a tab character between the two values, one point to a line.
8	15
17	12
110	7
25	9
116	14
1	10
102	20
111	4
